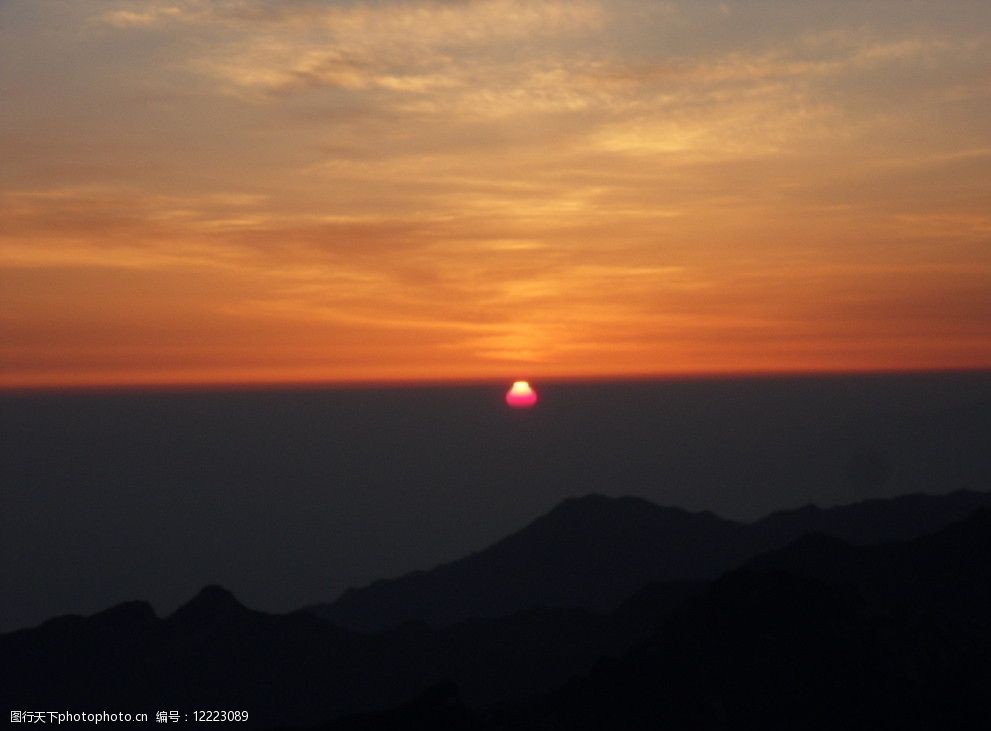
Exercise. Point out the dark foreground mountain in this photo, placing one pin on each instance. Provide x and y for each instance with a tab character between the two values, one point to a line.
214	653
595	551
818	635
817	619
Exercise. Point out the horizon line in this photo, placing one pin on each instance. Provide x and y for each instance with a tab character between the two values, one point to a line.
494	381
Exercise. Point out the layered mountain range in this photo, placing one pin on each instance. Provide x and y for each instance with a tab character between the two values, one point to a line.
593	552
604	613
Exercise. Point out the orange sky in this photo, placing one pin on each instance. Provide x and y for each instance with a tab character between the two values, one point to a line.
253	191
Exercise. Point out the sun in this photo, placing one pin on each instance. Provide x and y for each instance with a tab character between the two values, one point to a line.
521	395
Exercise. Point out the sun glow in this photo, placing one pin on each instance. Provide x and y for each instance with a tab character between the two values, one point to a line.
521	395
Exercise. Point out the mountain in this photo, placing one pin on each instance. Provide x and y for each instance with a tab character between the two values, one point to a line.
593	552
818	618
818	635
296	668
876	520
589	553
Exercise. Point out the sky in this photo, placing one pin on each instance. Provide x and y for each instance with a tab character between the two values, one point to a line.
251	191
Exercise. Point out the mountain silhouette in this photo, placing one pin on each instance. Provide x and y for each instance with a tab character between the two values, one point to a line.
589	553
297	668
820	633
593	552
213	603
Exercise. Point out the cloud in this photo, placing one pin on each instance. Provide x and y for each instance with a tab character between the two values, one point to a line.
398	47
606	186
145	16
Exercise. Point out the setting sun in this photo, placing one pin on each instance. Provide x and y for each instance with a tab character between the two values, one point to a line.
521	395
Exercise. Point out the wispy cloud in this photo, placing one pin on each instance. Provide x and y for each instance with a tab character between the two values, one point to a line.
465	187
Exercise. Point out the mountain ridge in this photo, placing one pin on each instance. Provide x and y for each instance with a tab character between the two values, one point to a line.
902	643
618	545
298	668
